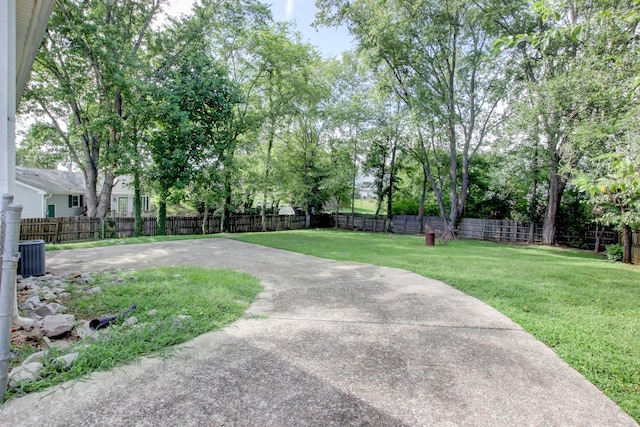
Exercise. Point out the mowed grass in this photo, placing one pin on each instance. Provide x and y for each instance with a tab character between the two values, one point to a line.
361	206
583	307
124	241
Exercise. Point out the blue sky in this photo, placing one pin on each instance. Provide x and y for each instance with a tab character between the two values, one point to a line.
330	41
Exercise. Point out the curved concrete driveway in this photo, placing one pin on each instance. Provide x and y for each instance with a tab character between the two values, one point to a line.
334	344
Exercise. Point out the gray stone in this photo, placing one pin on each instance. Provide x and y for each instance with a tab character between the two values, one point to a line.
44	310
130	321
35	357
94	290
25	373
57	308
58	290
49	309
57	324
32	302
67	360
152	312
85	331
49	296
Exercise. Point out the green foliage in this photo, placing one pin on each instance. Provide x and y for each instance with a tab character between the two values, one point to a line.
405	207
83	86
578	304
614	253
435	58
187	302
191	108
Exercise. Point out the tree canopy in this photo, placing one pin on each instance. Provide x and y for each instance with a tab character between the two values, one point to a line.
453	108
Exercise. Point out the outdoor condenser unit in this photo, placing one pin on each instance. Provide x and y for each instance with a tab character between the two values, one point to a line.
32	258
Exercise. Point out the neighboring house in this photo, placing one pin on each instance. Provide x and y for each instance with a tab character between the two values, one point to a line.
49	193
122	198
55	193
364	185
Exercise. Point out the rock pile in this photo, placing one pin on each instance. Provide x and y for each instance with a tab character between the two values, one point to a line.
40	299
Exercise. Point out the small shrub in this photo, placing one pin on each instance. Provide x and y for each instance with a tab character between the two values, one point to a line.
614	253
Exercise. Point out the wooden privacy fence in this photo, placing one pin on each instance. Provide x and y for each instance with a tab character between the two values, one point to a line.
75	229
506	231
635	247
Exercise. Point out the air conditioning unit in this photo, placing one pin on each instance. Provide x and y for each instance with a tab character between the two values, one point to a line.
32	258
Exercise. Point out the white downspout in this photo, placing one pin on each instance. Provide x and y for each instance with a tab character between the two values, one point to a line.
10	255
45	208
7	202
9	262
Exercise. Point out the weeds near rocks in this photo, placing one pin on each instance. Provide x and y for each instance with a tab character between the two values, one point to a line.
173	305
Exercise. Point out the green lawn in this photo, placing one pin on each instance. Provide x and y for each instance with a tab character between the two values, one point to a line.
362	206
585	308
126	241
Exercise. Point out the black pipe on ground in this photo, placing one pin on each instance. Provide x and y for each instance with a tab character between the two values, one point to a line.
106	321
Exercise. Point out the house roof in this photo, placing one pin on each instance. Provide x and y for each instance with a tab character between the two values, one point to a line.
51	181
31	22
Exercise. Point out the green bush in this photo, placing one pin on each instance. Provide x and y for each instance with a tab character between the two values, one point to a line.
614	253
405	207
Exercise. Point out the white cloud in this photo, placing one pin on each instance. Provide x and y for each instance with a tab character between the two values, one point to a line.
289	8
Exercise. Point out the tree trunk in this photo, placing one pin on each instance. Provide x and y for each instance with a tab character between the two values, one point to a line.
307	218
205	219
267	171
599	234
226	215
392	178
556	189
532	233
162	212
137	204
626	244
423	195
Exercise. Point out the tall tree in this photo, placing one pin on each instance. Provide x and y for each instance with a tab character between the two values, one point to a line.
191	107
557	49
81	84
350	112
439	56
284	77
232	29
607	128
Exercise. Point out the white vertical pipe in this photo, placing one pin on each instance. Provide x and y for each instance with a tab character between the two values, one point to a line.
11	235
7	96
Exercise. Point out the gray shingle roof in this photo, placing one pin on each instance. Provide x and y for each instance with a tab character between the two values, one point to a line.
51	181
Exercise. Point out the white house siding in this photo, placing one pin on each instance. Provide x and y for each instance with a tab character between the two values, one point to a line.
31	201
62	206
115	204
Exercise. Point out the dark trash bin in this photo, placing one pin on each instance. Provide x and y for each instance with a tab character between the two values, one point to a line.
430	238
31	262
